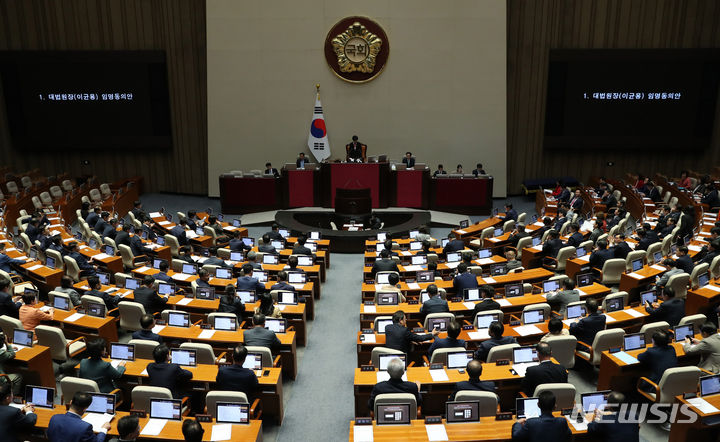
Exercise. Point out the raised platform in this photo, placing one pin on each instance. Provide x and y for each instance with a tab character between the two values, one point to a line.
397	224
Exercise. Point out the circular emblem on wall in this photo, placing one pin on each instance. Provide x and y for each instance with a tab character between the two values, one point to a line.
356	49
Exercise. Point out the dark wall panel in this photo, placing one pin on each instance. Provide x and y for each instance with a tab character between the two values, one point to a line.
175	26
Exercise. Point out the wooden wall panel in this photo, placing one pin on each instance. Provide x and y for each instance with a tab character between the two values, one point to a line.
177	27
536	26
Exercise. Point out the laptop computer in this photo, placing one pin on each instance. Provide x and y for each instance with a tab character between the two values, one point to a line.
33	254
658	257
387	298
498	232
270	259
484	320
524	355
103	277
425	276
551	286
261	275
636	264
384	360
536	241
580	252
418	260
382	277
96	309
182	356
232	413
39	396
314	236
50	262
381	324
110	251
575	311
633	341
22	337
459	359
515	289
416	245
253	361
648	296
584	279
527	407
279	245
413	234
236	256
498	269
207	293
284	233
189	269
91	243
178	319
471	294
246	296
304	260
392	414
614	305
278	325
236	223
444	242
297	277
123	352
249	242
440	323
379	247
61	303
464	223
595	400
462	411
533	316
710	385
683	331
101	403
287	298
160	240
166	288
703	279
170	409
132	283
453	257
484	253
157	262
225	323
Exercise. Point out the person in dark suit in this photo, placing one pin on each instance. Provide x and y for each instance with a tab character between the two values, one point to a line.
576	202
547	225
138	212
607	425
684	261
93	217
384	264
713	250
454	245
586	328
110	230
203	278
546	372
440	171
487	292
138	247
148	226
452	340
560	219
601	254
274	233
435	304
6	261
292	265
70	427
301	161
13	420
178	231
163	373
396	369
83	264
464	279
265	245
282	283
564	195
269	170
408	160
8	306
711	198
621	249
148	296
259	335
544	428
102	222
162	275
123	236
185	254
147	322
510	213
96	369
32	229
128	428
94	283
495	331
230	303
553	244
214	260
474	370
687	222
299	247
657	359
517	234
237	378
608	199
236	244
671	310
56	245
653	192
398	337
644	240
247	282
192	220
479	170
575	236
354	151
564	297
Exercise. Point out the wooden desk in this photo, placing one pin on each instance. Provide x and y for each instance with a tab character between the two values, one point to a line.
469	233
409	271
631	285
38	361
703	430
105	328
702	300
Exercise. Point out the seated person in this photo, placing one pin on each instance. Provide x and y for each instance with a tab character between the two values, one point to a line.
266	246
585	329
398	336
546	372
236	244
393	285
510	213
601	254
575	236
203	278
96	369
70	427
546	427
247	282
274	232
148	296
479	170
440	171
269	170
657	359
671	310
7	353
267	307
452	340
213	259
252	260
163	275
454	245
293	265
282	283
237	378
684	262
8	305
517	234
495	331
459	169
553	244
555	328
396	369
163	373
408	160
301	161
260	336
474	371
354	151
384	264
178	231
14	421
662	280
608	425
564	297
147	322
128	428
85	267
435	304
464	279
230	303
30	316
708	348
512	263
487	292
299	248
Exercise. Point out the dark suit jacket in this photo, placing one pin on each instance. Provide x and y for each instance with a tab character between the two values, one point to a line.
92	219
272	171
609	429
384	265
301	163
301	250
453	246
558	223
282	286
267	248
7	306
149	299
544	373
564	195
484	305
394	386
237	245
609	201
711	199
261	337
598	257
354	151
484	347
445	343
409	163
644	243
236	378
82	262
163	277
148	335
151	235
179	233
215	261
685	264
14	421
170	376
621	250
576	203
100	226
101	372
542	429
70	427
124	238
552	247
5	262
473	385
586	329
434	305
575	239
514	239
463	281
237	307
657	360
137	246
399	338
250	283
109	232
671	311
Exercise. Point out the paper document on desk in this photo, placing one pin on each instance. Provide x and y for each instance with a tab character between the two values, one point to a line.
155	214
369	309
164	223
581	292
694	248
281	307
480	334
413	268
298	286
521	369
452	265
181	276
585	258
439	375
369	338
525	330
221	432
158	328
362	433
461	232
153	427
634	313
100	256
712	287
405	253
491	240
436	432
537	248
538	223
609	318
489	280
384	376
206	334
191	234
35	267
97	420
703	405
485	261
626	358
635	275
413	286
74	317
568	321
658	267
469	305
503	302
184	301
142	269
144	372
115	362
578	426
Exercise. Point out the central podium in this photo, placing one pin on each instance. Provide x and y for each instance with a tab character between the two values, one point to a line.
372	176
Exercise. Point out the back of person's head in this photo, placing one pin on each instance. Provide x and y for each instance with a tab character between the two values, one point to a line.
474	369
191	214
266	238
247	269
660	339
128	426
239	354
708	329
602	244
462	267
487	291
554	234
282	275
93	282
148	280
293	261
163	267
574	227
127	227
568	284
555	325
432	266
203	273
302	239
388	244
544	350
453	330
28	298
80	401
384	253
432	290
146	321
4	284
669	262
669	292
212	219
396	368
546	401
96	348
615	397
192	431
641	232
547	220
275	227
683	250
467	258
266	304
398	316
496	329
160	353
259	319
426	245
393	278
66	282
591	305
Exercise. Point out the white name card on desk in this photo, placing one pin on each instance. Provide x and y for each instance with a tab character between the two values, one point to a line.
155	214
369	309
221	432
626	358
101	256
142	269
634	313
712	287
439	375
362	433
158	328
413	286
489	280
537	248
538	223
635	275
153	427
405	253
469	305
478	335
569	321
206	334
503	302
35	267
525	330
436	432
74	317
184	301
658	267
462	232
609	318
369	338
703	405
694	248
181	276
97	420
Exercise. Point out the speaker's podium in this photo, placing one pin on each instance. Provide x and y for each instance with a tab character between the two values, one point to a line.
353	203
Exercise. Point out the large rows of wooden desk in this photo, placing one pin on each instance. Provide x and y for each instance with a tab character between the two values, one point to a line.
78	325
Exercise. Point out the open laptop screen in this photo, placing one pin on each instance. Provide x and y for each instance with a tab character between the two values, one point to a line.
62	303
522	355
634	341
710	385
484	321
551	286
225	323
102	403
595	400
459	359
471	294
514	290
166	409
278	325
23	337
533	316
39	396
468	411
387	298
381	324
178	319
232	413
253	361
125	352
527	407
683	331
384	360
223	273
484	253
393	414
584	279
182	356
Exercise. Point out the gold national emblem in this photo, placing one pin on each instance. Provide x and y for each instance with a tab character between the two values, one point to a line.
357	49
